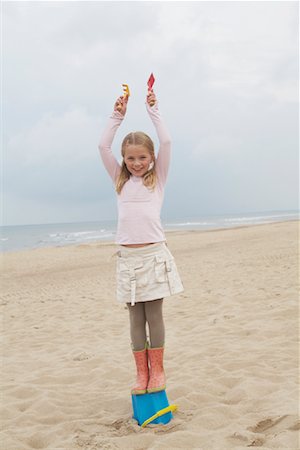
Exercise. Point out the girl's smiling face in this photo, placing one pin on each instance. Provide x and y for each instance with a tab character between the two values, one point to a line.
137	159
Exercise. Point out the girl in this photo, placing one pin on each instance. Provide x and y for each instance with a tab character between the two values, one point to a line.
146	271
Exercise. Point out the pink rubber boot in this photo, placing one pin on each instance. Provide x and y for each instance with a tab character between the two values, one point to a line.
157	379
141	361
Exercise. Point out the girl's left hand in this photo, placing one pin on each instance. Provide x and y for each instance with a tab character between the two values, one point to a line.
151	98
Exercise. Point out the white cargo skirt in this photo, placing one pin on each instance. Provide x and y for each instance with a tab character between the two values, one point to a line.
146	273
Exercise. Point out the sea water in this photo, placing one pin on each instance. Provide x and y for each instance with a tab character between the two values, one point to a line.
22	237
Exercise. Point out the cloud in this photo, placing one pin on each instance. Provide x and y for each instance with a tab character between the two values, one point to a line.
54	170
56	138
57	159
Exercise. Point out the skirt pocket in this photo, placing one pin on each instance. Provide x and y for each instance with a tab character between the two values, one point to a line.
127	271
161	266
123	276
166	272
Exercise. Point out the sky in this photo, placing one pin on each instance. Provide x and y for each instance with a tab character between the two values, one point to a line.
227	88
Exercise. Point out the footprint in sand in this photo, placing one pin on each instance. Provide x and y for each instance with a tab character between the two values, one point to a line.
277	425
265	430
82	356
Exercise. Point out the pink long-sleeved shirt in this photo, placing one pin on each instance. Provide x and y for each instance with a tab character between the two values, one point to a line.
138	208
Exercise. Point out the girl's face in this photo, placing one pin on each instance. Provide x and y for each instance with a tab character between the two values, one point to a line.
137	159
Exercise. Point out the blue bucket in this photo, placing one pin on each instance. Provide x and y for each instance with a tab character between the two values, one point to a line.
152	408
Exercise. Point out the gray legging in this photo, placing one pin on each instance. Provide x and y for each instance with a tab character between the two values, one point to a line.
139	314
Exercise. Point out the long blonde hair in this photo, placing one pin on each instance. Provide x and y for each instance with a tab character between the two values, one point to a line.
137	138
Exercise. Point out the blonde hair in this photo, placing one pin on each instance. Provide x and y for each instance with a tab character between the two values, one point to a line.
137	138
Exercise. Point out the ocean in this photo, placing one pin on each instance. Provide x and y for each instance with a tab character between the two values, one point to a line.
25	237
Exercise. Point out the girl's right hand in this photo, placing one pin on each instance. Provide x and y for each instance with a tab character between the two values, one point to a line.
151	98
121	104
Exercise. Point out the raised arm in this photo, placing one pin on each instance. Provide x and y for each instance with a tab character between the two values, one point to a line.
110	162
164	152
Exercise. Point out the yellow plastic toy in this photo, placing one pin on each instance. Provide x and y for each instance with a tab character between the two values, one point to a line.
126	94
163	411
126	90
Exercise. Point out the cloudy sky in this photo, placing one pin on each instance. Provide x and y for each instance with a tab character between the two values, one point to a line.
227	83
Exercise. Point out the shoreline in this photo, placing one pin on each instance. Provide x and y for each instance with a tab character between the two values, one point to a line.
106	243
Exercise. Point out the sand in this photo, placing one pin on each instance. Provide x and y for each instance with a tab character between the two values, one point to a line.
231	355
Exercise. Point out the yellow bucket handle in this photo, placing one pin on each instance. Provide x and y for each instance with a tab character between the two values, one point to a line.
160	413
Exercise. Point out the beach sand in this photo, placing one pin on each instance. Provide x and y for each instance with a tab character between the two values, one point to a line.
231	356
